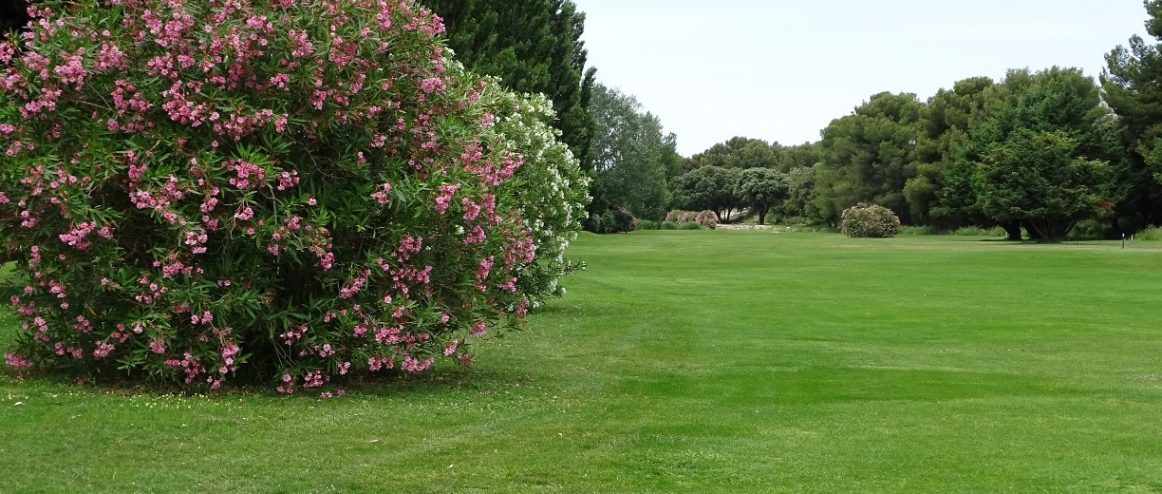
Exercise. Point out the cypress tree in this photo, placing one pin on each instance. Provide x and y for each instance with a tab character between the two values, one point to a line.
533	46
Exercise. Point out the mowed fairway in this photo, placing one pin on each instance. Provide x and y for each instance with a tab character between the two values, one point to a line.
695	362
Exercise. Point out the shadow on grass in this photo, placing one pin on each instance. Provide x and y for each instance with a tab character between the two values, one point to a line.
477	380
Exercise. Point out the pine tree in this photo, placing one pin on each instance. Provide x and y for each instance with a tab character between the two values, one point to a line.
1132	87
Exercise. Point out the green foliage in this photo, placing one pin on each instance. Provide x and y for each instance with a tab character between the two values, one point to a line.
760	189
869	220
709	188
1035	163
870	155
1091	229
1035	178
800	187
631	156
1150	233
1132	87
738	152
743	152
913	230
976	231
948	118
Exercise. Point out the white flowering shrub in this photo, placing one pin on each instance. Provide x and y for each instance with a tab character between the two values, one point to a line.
551	190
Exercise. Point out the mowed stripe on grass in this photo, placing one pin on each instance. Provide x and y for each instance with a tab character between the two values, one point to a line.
700	362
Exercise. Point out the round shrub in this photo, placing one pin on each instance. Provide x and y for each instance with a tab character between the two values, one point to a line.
614	220
869	220
623	221
292	192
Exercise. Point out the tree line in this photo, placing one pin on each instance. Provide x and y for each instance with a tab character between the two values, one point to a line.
1040	154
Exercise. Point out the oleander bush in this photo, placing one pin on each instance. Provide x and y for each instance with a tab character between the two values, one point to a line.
613	220
706	218
622	221
291	192
869	220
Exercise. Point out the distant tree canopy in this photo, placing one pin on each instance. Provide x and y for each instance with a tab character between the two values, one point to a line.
709	188
535	47
1036	151
743	152
759	189
730	163
632	156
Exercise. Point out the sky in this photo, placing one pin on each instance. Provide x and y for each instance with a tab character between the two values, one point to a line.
781	70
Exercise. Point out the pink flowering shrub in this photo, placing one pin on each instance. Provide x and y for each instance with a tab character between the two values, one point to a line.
292	191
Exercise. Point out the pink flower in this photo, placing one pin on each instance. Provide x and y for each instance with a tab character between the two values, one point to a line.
432	84
280	80
482	271
287	180
313	379
16	361
410	364
381	195
245	213
445	197
478	328
103	349
475	236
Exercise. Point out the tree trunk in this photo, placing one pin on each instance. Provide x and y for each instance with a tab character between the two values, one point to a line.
1036	232
1049	230
1013	231
762	216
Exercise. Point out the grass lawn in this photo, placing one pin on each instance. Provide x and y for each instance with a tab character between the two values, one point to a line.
694	362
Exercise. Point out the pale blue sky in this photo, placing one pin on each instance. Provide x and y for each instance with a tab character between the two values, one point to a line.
782	70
